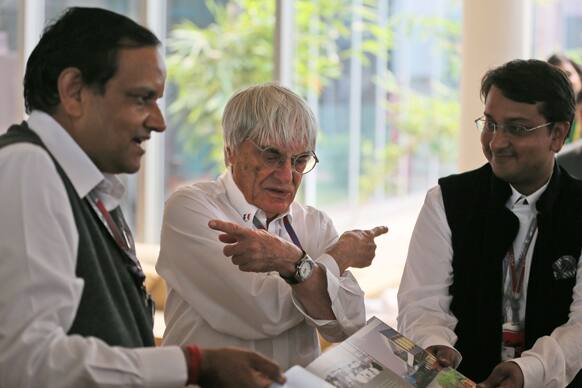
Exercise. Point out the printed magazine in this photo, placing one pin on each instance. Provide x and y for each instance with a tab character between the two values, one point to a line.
376	356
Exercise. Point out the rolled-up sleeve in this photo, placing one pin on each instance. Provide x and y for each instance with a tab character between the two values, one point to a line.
347	303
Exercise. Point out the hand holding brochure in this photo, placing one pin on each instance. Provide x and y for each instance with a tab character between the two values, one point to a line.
377	356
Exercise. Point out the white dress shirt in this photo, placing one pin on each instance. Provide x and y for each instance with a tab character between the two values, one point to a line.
40	292
424	299
213	303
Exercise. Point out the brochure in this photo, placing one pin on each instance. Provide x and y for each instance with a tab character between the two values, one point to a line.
377	356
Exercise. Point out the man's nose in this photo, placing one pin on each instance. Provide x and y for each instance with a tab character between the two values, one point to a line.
499	139
155	120
284	170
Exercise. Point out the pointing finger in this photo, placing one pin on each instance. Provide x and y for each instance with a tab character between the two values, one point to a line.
227	238
228	228
379	230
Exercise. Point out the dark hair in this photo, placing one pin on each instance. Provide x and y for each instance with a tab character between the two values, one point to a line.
532	81
579	97
85	38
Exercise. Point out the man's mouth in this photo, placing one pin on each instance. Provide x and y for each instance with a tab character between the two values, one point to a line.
138	140
503	155
277	191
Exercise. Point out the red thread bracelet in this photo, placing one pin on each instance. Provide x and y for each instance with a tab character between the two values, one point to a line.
195	363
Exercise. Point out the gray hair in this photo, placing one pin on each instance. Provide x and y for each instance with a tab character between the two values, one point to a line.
268	114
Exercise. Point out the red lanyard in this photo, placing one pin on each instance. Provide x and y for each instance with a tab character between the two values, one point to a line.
517	270
120	236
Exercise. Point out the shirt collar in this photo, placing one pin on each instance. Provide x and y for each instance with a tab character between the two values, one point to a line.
79	168
518	199
246	210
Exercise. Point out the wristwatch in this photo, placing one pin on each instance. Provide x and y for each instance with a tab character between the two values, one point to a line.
303	270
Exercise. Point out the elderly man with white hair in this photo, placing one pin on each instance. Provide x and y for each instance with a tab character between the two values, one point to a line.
287	276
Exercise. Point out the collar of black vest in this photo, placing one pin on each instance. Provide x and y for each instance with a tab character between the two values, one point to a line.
548	197
501	191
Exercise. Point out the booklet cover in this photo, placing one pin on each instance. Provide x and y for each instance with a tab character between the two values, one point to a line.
378	356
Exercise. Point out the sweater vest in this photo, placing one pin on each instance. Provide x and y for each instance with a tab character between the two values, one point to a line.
114	304
483	229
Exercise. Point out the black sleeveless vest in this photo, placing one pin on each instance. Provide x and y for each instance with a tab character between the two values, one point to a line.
113	304
482	231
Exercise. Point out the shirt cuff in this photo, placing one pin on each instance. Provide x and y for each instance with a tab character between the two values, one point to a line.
329	263
532	369
434	341
331	285
163	366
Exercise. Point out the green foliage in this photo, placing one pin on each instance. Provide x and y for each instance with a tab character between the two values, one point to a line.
575	55
208	64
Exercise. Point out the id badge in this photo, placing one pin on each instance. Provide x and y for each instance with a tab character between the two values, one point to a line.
507	353
513	341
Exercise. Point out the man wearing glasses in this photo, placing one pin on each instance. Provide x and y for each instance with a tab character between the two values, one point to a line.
287	275
492	282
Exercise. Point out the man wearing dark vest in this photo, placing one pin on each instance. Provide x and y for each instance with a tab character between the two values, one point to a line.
73	308
492	282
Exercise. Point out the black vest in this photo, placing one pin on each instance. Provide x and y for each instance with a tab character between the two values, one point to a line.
482	231
113	303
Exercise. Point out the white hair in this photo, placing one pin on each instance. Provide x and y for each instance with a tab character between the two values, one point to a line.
268	114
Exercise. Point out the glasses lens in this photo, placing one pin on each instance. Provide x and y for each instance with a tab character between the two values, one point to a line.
480	124
271	157
304	163
515	130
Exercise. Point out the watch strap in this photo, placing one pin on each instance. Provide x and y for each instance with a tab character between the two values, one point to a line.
296	278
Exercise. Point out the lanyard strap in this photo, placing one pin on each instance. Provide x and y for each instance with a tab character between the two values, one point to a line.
291	232
120	236
120	233
517	269
288	227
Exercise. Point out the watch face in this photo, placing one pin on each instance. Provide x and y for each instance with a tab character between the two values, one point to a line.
304	269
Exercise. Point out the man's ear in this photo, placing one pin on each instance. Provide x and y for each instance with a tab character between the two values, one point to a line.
227	156
70	85
559	133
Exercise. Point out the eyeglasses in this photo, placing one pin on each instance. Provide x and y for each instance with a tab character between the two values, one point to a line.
483	124
301	163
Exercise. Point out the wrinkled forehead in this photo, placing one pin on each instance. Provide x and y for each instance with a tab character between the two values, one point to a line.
284	141
291	148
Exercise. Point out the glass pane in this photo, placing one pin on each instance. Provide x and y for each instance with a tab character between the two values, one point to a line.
383	77
558	30
213	49
10	67
129	8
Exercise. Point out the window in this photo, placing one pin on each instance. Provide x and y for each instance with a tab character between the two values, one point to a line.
374	72
10	65
557	29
